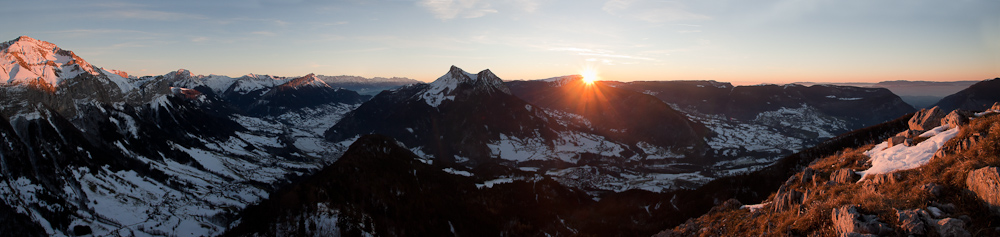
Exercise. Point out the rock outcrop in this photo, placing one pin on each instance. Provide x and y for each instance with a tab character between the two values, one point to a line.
785	199
985	182
926	119
844	176
956	118
910	221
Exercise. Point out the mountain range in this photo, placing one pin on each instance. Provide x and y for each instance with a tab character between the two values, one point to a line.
920	94
97	151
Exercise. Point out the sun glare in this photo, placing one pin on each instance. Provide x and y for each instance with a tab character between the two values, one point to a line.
589	76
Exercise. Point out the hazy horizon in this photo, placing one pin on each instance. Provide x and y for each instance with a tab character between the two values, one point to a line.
777	42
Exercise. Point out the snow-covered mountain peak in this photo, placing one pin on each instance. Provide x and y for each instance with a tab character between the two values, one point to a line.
252	82
444	87
305	81
180	74
28	60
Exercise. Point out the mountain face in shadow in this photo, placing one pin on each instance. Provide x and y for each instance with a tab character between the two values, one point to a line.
977	97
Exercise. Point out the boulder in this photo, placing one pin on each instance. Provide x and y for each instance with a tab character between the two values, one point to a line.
910	221
951	227
731	204
846	219
895	140
926	119
909	133
844	176
956	118
985	183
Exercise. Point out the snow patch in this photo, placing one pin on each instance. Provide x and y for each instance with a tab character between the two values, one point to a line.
887	159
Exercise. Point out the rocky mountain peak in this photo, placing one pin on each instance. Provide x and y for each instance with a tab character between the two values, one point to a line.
446	86
28	60
180	73
307	80
488	81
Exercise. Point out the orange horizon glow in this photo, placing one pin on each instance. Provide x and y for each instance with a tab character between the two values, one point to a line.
589	76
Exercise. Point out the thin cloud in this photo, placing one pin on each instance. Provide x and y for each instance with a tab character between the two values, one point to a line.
580	50
141	14
527	5
651	11
617	56
264	33
450	9
601	55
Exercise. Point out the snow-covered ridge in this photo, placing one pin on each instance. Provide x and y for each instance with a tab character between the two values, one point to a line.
357	79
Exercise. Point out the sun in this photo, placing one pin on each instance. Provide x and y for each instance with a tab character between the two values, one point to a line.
589	76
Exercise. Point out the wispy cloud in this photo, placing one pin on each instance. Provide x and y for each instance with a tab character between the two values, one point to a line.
606	55
263	33
142	14
651	11
450	9
580	50
600	55
527	5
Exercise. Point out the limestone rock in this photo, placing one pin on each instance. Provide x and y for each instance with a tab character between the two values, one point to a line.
896	140
926	119
846	219
956	118
985	182
909	133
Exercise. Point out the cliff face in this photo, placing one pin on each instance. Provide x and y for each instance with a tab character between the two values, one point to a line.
881	190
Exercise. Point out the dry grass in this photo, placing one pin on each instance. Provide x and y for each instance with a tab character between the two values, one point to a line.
812	217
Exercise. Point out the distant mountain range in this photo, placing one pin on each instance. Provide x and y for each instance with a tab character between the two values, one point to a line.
97	151
920	94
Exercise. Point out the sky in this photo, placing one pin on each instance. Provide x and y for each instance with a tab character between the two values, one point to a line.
745	42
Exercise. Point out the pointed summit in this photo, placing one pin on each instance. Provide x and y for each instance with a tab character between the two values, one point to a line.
489	82
453	82
307	80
